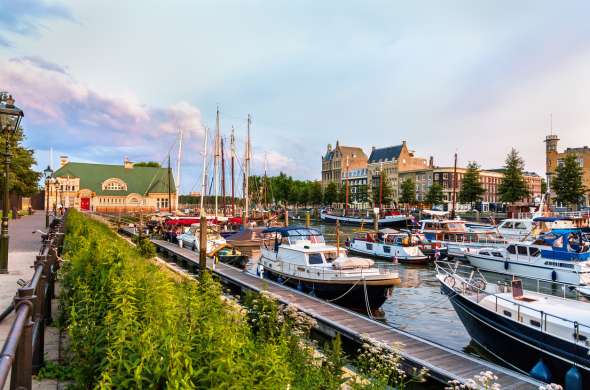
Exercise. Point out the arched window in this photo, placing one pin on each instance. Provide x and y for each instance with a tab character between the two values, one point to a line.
114	184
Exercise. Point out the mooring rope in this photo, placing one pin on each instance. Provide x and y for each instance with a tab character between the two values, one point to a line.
343	295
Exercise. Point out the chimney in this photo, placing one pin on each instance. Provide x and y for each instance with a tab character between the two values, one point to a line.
403	143
127	164
63	160
372	148
431	162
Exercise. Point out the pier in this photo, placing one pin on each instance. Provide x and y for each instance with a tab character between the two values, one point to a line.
443	363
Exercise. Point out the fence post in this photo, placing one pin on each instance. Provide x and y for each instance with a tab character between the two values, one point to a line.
21	376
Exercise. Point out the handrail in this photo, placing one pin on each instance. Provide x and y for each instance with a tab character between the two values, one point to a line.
23	351
478	290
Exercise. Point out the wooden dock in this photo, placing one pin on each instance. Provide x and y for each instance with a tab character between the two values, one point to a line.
443	363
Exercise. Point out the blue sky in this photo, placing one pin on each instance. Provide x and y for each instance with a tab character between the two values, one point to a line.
101	80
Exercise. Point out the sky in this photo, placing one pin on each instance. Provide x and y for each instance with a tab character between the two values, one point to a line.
103	80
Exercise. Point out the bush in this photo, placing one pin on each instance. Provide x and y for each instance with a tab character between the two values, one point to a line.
131	325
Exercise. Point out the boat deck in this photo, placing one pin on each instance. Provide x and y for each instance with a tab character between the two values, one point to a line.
443	363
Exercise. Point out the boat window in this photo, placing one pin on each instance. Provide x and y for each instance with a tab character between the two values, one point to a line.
369	246
508	225
428	226
497	254
520	225
535	323
522	250
511	249
387	249
485	253
534	251
566	265
330	256
315	258
507	313
580	337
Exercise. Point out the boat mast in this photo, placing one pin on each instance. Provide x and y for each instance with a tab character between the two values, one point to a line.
346	204
216	162
204	175
454	188
380	187
246	175
169	185
222	177
233	153
264	185
178	160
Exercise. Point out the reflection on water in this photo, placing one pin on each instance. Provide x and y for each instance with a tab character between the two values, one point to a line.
417	306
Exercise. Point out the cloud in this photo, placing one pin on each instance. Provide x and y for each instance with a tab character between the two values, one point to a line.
25	17
41	63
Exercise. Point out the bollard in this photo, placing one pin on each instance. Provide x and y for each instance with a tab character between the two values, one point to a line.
307	219
21	376
286	217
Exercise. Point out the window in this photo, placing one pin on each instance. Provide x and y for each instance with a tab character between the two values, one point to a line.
315	258
534	252
112	186
535	323
369	247
497	254
387	249
522	251
508	225
520	225
485	253
511	249
507	313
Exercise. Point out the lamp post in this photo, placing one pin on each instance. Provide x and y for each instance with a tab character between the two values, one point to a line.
48	172
10	117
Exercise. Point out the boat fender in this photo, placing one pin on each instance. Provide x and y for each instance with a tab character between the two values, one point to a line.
260	270
554	275
506	265
180	242
573	379
541	372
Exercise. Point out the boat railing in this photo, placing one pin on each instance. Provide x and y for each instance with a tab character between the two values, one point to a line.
327	274
470	283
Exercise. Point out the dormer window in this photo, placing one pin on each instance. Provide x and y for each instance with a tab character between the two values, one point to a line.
114	184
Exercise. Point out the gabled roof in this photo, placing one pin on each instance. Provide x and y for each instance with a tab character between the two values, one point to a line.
351	151
140	180
385	154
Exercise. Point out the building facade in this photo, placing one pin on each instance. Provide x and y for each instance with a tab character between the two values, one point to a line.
422	178
391	161
112	188
554	158
337	161
357	187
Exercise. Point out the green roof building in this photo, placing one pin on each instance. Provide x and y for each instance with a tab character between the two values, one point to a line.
113	188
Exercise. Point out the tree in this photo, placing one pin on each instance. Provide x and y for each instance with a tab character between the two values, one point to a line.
22	179
435	194
331	193
408	191
316	193
151	164
382	194
471	188
513	187
567	183
543	186
361	195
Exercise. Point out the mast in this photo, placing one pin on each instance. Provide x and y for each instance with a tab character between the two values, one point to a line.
381	177
178	160
346	204
216	162
233	153
247	174
454	188
265	186
169	184
203	175
222	178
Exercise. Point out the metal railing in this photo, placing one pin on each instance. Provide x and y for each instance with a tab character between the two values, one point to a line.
469	284
23	351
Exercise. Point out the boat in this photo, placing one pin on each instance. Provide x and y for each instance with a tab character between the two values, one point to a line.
388	244
247	240
230	255
299	257
525	229
453	234
543	335
557	256
190	239
391	219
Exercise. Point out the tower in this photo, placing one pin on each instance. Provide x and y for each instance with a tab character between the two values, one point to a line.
551	156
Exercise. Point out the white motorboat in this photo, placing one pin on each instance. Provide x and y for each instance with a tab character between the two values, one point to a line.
190	239
388	244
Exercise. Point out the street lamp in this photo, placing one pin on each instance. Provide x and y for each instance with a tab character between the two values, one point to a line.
10	117
48	172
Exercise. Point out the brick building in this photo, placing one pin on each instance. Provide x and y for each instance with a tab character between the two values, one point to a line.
340	159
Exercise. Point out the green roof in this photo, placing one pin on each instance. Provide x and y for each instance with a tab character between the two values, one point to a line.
140	180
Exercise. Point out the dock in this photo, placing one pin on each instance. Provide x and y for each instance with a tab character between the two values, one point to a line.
443	363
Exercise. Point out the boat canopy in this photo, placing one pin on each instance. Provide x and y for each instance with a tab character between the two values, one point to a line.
293	231
551	219
565	245
435	213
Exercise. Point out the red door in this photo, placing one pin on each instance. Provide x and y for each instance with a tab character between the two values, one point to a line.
85	203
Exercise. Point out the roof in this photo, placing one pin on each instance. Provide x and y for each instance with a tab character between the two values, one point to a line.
293	231
352	151
385	154
140	180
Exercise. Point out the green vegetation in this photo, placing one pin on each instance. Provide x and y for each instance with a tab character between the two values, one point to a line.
567	183
331	194
408	192
22	179
284	190
513	187
543	186
151	164
471	188
434	194
382	194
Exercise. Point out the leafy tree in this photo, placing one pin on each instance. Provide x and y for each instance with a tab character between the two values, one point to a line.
567	183
152	164
361	194
22	179
471	188
408	191
384	190
543	186
316	195
435	194
331	193
513	187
